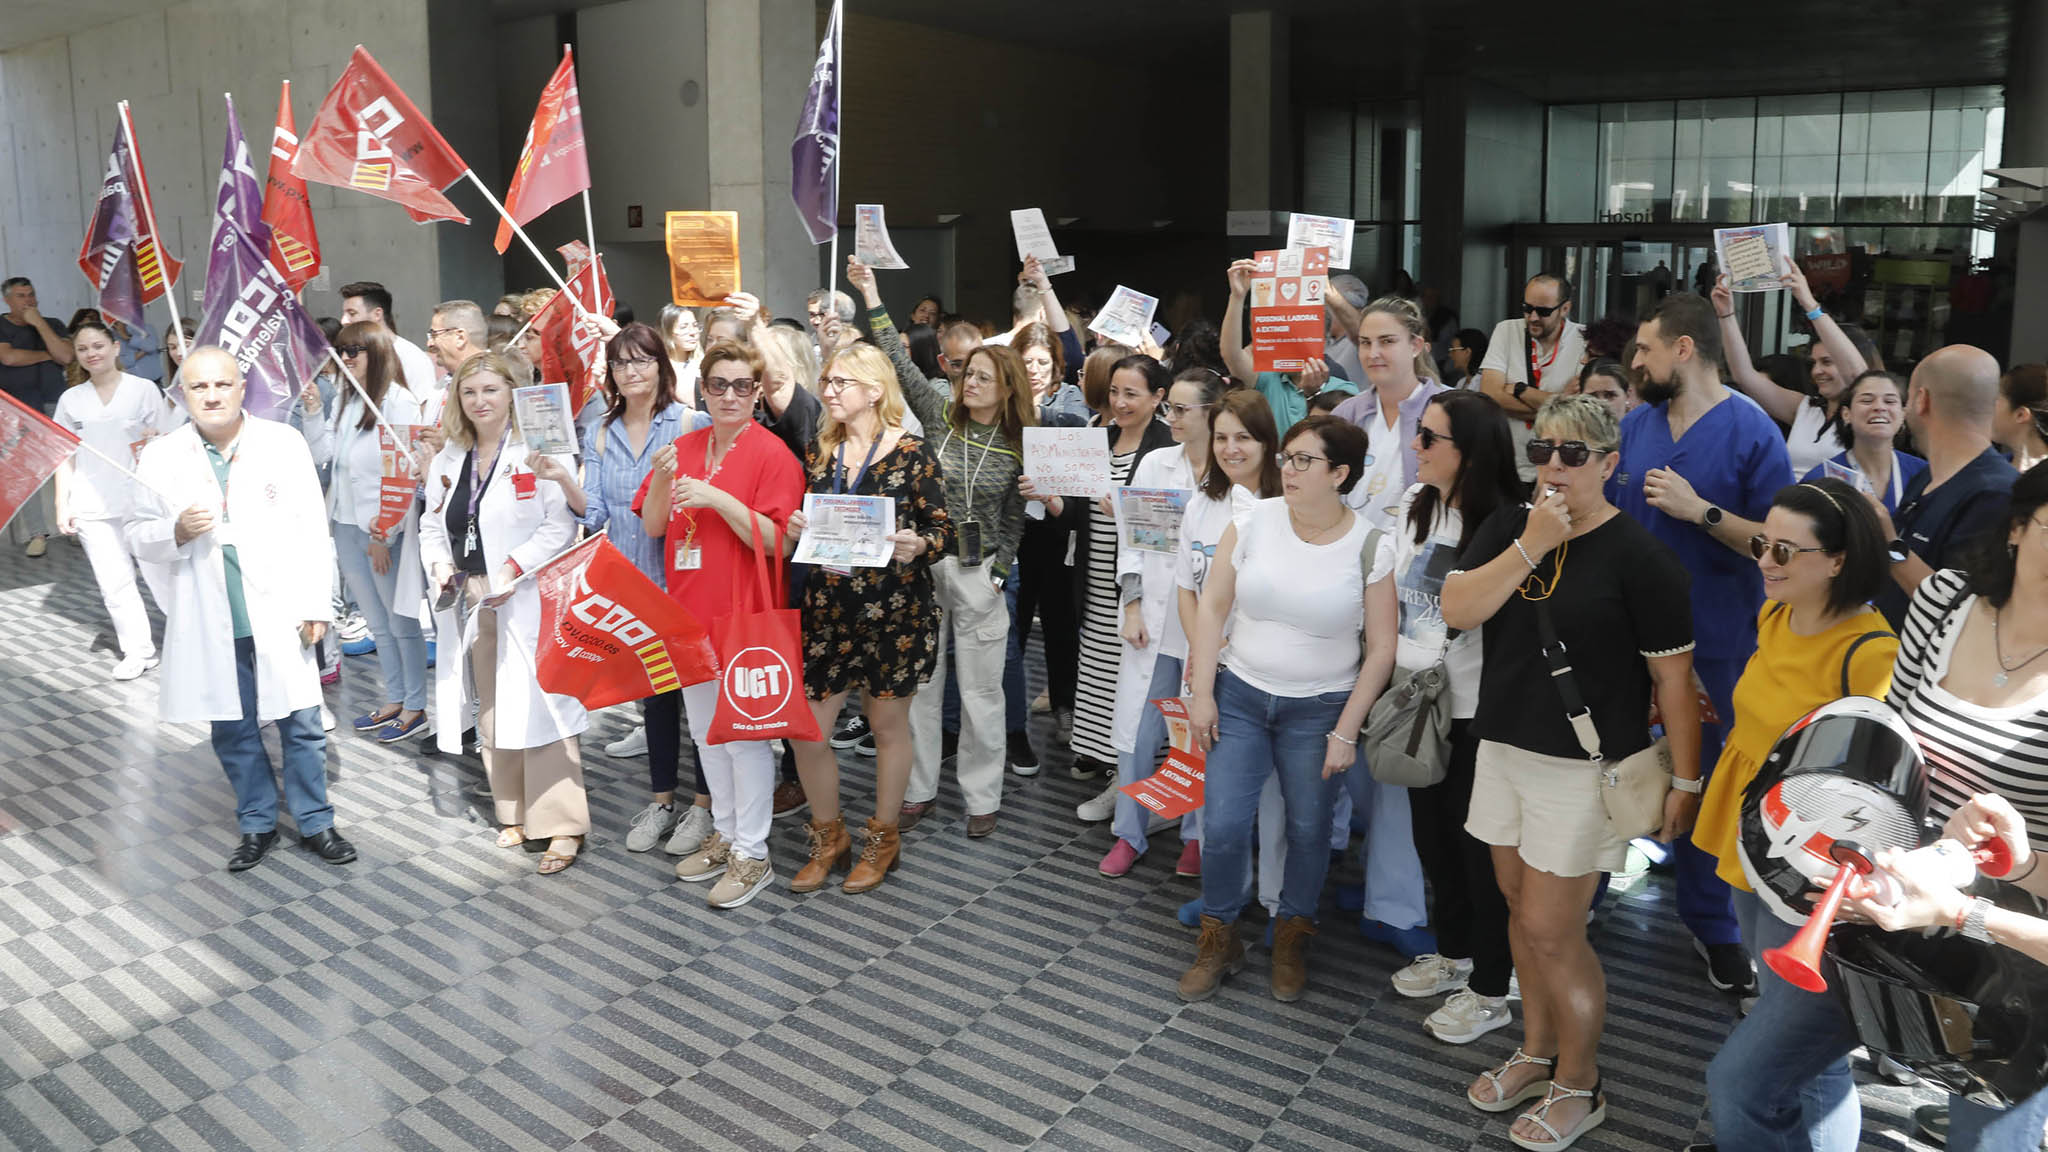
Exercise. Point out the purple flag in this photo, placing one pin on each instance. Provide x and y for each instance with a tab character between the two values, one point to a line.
252	314
239	195
814	157
108	256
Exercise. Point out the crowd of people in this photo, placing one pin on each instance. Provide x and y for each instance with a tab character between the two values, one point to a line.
1424	512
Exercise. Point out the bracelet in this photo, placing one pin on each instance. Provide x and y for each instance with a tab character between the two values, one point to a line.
1525	555
2033	862
1817	313
1725	315
1335	735
1694	785
516	569
1962	914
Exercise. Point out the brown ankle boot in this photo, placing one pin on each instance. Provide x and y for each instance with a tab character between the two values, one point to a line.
831	848
1217	954
878	854
1290	957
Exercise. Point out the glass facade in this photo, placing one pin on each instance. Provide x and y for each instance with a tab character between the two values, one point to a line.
1364	162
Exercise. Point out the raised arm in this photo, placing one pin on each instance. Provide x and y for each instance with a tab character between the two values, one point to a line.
1236	358
1782	403
1849	363
926	397
1048	300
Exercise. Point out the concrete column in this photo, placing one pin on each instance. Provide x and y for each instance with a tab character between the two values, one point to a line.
758	57
1261	128
1444	100
2026	146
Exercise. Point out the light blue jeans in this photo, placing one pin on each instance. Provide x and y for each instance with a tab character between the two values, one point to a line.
1393	870
1143	760
1261	735
401	649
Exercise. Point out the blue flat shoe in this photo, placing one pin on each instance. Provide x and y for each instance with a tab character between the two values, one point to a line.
370	720
395	730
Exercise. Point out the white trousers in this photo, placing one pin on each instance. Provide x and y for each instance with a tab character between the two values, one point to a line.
114	569
741	776
974	623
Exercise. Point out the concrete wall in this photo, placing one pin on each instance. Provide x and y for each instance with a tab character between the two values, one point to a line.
57	123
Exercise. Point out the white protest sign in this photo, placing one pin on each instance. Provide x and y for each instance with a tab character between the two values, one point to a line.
871	244
1332	232
1067	461
1754	258
1034	238
1127	318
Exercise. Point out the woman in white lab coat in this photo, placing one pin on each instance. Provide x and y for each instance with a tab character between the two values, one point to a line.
382	567
489	521
114	413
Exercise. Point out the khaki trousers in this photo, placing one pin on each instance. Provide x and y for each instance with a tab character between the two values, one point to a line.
540	788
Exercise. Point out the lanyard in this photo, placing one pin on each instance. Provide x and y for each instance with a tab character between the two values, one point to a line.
975	473
233	451
478	483
839	484
1535	369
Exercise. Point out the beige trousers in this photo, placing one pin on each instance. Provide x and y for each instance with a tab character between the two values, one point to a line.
538	788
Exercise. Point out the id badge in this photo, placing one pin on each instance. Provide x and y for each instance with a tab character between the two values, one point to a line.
689	558
970	544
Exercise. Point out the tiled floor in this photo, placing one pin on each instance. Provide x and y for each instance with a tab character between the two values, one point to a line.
438	995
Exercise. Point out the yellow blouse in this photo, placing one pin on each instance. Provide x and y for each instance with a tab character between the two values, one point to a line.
1788	676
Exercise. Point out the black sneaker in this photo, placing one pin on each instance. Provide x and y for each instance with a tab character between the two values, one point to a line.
1088	768
1729	967
866	745
1023	761
852	731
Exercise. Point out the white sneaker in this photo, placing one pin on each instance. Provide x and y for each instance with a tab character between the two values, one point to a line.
652	826
633	743
130	667
354	627
1467	1016
1514	985
1101	808
743	880
326	718
691	832
1431	974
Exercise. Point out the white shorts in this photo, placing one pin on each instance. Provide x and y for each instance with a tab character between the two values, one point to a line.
1547	807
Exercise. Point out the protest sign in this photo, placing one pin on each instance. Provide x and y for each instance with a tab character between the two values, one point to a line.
1174	790
1150	518
703	257
1753	258
1127	318
1180	732
871	244
1067	461
546	421
847	531
1332	232
1035	239
1288	291
396	483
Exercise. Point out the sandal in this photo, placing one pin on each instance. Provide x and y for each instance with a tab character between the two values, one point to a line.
511	836
1562	1140
1502	1101
552	861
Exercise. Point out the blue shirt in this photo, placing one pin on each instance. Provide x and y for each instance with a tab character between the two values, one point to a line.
142	355
1905	466
1287	402
1734	457
614	474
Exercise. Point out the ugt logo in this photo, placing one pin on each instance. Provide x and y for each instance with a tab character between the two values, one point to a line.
758	683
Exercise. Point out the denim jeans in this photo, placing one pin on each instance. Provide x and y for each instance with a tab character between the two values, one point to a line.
1131	818
239	744
1393	870
1261	735
1781	1081
401	650
1703	897
1974	1127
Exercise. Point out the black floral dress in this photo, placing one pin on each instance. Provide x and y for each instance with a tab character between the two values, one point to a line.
878	628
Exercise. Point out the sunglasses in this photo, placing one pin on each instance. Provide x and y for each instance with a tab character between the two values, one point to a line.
351	350
1571	453
719	385
1429	438
1539	309
1780	551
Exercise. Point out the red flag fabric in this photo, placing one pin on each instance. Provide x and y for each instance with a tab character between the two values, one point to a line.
294	245
396	486
554	165
576	255
609	635
31	447
369	137
569	349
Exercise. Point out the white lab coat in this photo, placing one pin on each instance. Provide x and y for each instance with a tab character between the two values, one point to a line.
536	527
276	522
401	407
1158	599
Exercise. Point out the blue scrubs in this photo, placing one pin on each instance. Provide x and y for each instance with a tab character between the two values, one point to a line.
1905	466
1734	457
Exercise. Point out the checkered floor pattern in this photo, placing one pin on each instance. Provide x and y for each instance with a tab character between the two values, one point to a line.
437	995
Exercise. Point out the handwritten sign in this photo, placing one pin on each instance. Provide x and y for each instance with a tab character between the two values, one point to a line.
1288	293
1067	461
1754	258
871	243
1127	318
1035	239
1332	232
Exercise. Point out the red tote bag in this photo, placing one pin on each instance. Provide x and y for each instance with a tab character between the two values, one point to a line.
761	664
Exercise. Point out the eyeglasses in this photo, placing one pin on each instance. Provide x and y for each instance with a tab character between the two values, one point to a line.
1571	453
832	384
1299	461
1176	411
637	363
1781	551
350	350
1429	438
719	385
1539	309
432	333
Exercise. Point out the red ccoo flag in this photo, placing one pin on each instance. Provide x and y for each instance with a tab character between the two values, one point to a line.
31	447
608	635
294	245
569	349
369	137
554	164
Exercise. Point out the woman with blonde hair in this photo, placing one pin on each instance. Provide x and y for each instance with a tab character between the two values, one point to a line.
875	629
789	406
682	339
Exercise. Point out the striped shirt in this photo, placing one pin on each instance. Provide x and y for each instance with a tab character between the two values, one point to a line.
613	473
1968	748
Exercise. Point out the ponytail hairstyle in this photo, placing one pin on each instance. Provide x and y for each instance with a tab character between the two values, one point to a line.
2026	386
1409	315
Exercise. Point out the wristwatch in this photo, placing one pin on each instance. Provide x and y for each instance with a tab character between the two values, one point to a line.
1897	550
1693	785
1973	920
1521	386
1711	518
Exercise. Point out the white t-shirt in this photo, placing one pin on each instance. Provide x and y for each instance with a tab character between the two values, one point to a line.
98	490
1508	353
421	374
1299	607
1202	524
1811	442
1419	571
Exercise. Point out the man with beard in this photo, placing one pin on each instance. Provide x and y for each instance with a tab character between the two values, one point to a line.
1532	359
1699	465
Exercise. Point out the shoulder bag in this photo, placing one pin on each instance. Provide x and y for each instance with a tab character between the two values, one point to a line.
1407	734
1631	790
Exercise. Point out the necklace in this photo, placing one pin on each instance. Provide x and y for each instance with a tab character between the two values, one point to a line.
1295	518
1998	652
1533	583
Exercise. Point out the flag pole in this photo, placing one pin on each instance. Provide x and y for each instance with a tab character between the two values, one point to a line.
528	241
839	152
404	448
590	226
155	237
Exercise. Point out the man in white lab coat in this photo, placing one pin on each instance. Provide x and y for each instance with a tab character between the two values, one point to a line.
233	510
